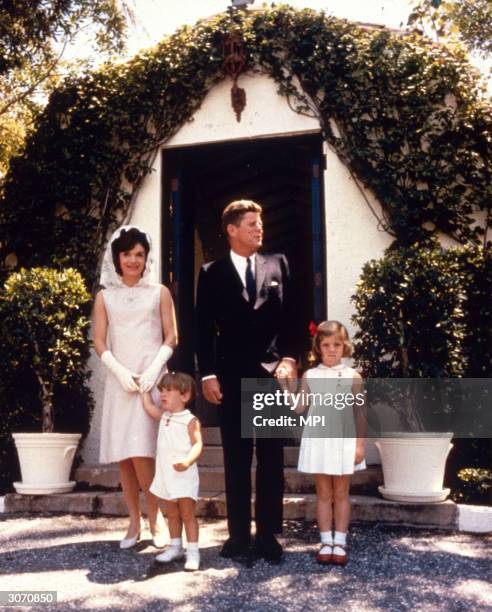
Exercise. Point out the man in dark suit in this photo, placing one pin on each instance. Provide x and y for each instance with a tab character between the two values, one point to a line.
245	329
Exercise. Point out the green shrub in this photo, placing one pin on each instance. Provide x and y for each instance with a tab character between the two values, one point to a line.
409	311
468	471
44	326
475	266
426	311
475	487
43	319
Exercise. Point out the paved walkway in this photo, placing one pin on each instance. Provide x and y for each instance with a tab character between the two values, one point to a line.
391	568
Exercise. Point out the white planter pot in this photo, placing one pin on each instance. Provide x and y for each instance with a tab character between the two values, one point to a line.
413	466
45	462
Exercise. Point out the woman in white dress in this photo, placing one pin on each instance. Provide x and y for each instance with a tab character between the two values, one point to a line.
134	334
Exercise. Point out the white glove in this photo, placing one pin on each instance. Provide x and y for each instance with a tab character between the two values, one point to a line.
124	376
149	377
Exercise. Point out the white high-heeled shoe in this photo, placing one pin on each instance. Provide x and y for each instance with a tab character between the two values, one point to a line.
130	542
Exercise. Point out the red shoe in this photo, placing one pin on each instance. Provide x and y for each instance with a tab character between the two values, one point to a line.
324	558
339	559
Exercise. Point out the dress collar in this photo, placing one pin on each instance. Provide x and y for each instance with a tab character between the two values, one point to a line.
338	367
168	414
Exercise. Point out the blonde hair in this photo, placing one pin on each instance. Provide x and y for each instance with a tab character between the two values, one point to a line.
331	328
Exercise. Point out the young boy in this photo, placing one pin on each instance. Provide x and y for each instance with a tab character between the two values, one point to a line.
179	445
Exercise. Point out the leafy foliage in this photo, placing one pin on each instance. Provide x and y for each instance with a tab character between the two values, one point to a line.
425	311
44	326
467	20
468	471
28	30
33	38
405	115
476	485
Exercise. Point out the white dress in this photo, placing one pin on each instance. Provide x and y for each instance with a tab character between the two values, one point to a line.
329	454
135	336
173	445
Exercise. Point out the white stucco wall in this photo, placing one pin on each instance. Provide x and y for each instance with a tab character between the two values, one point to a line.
352	236
266	114
147	210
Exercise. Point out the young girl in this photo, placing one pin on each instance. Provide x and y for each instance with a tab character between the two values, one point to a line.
176	477
333	459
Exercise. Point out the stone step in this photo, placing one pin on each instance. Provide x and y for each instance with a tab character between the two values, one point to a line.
212	479
212	456
211	436
366	481
443	515
211	439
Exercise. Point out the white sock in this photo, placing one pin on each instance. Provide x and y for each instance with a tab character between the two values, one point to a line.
176	542
341	539
326	537
192	546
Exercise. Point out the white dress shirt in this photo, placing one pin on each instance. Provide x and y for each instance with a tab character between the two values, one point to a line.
241	263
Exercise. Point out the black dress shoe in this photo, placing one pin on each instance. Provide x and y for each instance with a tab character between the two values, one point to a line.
235	547
266	546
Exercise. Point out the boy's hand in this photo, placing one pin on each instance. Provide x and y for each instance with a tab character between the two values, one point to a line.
181	466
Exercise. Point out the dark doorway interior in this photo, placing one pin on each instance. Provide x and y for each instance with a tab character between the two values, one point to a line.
282	174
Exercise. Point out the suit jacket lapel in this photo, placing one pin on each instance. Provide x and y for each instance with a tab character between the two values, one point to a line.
260	271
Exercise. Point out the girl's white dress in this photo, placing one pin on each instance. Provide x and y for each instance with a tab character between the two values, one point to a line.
135	337
173	445
330	454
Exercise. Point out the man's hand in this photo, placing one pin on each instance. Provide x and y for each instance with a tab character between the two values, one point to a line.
212	391
287	368
286	375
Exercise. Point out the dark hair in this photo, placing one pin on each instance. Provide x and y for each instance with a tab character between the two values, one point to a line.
331	328
235	211
184	383
125	242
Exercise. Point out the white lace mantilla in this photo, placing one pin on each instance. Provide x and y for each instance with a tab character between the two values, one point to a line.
110	279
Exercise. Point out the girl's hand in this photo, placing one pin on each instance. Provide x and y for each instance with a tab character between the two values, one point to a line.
181	466
360	452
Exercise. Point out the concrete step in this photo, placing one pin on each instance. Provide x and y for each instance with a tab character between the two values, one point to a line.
212	479
367	481
442	515
211	436
212	456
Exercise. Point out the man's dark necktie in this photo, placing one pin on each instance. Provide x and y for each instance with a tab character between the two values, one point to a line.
250	282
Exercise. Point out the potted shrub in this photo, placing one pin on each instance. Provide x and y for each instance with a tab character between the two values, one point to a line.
44	318
411	326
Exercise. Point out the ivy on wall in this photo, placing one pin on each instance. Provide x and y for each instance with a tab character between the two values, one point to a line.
406	116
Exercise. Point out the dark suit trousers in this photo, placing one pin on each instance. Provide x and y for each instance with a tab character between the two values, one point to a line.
238	454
